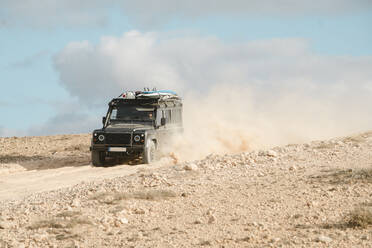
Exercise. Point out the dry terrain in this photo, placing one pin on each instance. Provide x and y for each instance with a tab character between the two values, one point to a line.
317	194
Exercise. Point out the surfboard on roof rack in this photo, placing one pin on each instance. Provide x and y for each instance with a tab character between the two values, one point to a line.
157	94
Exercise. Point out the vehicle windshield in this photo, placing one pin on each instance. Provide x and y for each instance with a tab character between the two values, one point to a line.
127	113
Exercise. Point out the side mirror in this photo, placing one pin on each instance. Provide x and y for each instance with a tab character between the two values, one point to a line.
162	121
103	120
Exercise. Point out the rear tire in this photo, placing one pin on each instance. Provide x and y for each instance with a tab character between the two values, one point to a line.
149	154
98	158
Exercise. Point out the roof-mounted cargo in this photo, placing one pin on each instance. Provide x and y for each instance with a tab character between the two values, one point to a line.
156	94
148	97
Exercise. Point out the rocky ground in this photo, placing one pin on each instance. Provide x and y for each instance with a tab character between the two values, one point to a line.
307	195
43	152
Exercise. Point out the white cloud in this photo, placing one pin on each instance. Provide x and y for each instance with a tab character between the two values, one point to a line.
237	95
94	73
277	88
72	13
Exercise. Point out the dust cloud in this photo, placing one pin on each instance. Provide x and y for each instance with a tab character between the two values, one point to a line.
233	119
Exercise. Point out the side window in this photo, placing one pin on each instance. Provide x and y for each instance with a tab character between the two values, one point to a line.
114	113
172	116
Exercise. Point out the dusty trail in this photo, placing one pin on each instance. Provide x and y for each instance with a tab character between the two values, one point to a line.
18	185
36	164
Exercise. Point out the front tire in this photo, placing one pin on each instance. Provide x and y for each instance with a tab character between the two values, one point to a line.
149	154
98	158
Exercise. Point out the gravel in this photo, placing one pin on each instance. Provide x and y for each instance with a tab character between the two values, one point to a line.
297	195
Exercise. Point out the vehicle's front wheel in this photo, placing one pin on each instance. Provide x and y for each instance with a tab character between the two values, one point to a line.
149	154
98	158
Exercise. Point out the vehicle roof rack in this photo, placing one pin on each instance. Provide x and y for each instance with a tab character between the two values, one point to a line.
147	97
157	94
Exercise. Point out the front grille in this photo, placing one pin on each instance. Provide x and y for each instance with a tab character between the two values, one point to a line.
118	138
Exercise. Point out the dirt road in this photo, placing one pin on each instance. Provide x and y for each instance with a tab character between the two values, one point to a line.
36	164
18	185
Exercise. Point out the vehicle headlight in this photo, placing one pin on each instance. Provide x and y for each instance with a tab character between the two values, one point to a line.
137	138
101	137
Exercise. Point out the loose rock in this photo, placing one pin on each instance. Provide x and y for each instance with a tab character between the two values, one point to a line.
190	167
323	239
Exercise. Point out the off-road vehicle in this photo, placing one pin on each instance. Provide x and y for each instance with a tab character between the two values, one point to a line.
137	125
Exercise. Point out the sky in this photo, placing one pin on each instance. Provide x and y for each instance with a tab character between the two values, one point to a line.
62	61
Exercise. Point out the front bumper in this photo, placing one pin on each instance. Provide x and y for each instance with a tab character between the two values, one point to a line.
129	149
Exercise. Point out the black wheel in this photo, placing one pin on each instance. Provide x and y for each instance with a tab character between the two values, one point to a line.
149	154
98	158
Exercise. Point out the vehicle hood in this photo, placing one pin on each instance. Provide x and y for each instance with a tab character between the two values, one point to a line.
127	128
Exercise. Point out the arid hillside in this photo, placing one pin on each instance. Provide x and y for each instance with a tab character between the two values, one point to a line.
43	152
317	194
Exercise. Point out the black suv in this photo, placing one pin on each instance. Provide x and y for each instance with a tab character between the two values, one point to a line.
137	124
